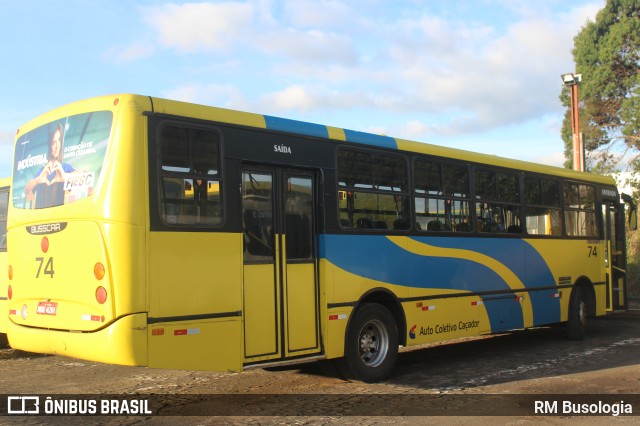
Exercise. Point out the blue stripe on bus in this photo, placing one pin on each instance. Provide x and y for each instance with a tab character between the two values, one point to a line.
317	130
533	272
377	258
295	126
370	139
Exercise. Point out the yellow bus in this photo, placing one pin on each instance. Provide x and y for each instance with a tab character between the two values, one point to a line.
166	234
5	184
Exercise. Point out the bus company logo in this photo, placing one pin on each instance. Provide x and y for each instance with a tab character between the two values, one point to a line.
412	332
46	228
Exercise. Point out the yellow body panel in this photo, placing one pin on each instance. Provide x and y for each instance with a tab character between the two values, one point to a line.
571	259
54	273
212	344
4	279
164	106
260	310
301	313
444	319
335	326
123	342
194	273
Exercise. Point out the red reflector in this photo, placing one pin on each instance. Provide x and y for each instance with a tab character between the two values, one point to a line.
12	311
180	332
333	317
44	244
101	295
10	292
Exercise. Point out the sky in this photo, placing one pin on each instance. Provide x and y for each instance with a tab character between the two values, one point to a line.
479	75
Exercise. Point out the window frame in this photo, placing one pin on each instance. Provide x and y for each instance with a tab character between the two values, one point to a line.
540	203
191	175
443	196
374	189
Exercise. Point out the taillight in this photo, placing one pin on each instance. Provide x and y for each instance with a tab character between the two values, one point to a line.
101	295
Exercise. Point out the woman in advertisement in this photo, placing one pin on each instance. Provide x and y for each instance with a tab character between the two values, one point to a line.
47	188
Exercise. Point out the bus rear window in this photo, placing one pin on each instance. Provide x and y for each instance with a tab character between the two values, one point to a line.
60	162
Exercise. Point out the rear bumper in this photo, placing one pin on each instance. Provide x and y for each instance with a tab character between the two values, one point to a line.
123	342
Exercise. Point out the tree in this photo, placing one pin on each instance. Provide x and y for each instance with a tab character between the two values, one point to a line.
607	54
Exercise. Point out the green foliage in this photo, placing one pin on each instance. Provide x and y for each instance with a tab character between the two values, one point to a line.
607	54
633	265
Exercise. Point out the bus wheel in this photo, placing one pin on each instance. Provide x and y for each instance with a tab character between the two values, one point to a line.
371	345
576	327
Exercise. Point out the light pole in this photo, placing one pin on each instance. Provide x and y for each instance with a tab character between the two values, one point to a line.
571	80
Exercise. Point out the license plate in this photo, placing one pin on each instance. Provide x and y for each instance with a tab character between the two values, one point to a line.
47	308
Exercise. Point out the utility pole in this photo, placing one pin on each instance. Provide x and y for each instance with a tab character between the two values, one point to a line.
571	80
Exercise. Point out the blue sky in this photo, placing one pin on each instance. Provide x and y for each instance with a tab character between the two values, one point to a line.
480	75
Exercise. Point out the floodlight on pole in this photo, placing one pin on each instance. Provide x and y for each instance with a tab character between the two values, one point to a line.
571	80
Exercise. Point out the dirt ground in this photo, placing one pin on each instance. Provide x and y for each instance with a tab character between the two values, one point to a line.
494	376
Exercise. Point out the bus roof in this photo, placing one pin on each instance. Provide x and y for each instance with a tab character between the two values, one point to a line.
329	132
302	128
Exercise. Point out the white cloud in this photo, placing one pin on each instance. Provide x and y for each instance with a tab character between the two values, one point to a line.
312	46
6	138
292	97
319	14
194	27
552	159
416	130
312	56
491	79
132	52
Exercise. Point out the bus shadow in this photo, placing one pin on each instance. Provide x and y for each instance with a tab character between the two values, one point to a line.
513	356
520	355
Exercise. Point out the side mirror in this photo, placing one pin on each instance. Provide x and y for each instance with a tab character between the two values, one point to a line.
633	211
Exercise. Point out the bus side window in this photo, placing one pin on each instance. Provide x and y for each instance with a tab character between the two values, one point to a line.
190	156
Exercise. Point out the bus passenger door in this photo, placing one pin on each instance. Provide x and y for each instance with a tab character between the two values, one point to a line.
280	308
615	259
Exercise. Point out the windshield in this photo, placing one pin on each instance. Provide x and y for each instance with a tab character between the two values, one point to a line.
60	162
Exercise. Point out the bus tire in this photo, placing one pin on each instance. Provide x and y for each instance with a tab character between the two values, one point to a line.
576	327
371	345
